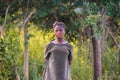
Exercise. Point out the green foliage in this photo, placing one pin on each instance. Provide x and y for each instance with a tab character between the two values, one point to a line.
111	61
37	42
9	55
36	69
49	11
82	67
12	46
95	21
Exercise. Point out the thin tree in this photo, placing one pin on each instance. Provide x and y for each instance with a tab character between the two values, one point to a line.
26	54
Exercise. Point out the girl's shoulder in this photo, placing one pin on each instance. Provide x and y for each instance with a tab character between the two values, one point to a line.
69	45
49	44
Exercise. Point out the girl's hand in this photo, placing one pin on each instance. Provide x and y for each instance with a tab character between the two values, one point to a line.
70	62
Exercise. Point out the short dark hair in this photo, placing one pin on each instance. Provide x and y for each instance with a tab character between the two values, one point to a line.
61	24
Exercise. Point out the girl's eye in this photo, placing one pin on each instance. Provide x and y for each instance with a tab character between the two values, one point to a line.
59	30
56	30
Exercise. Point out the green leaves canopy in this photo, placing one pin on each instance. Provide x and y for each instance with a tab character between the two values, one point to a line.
48	11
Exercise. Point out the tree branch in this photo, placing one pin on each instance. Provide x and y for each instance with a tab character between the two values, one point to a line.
28	17
6	16
106	23
114	38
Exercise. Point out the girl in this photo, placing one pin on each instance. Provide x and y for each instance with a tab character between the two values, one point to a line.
58	56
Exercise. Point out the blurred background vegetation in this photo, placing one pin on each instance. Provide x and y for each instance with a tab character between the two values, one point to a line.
26	28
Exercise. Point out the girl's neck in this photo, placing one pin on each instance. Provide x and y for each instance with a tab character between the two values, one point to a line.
60	40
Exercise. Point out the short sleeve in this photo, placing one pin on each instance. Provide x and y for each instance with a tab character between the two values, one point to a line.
70	56
47	51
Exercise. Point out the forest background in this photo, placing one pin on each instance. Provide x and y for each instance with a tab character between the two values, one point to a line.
93	28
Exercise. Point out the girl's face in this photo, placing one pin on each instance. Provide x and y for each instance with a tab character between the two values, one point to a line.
59	31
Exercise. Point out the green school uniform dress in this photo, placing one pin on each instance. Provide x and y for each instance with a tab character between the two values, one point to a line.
57	65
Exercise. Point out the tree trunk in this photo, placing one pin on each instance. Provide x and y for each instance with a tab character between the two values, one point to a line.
3	26
1	31
97	58
96	42
26	57
16	73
